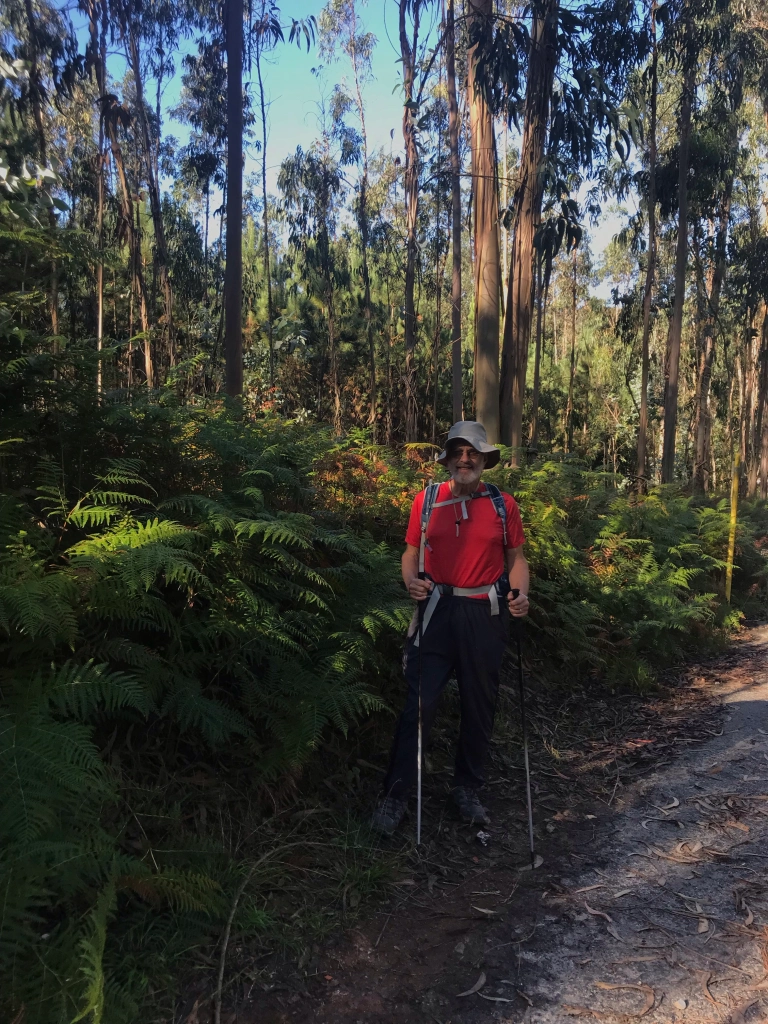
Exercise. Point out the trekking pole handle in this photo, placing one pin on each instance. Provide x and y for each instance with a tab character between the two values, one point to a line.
515	624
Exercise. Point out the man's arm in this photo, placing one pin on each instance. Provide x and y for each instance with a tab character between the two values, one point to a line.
417	589
519	579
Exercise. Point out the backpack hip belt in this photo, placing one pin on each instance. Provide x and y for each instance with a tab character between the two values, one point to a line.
445	590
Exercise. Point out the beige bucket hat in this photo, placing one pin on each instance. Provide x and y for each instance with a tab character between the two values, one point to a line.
473	433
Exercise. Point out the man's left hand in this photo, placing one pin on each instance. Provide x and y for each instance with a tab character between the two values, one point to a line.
518	606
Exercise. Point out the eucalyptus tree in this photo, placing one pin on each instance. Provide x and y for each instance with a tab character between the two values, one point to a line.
416	68
651	82
486	224
453	135
313	188
571	69
265	32
148	38
340	27
42	38
202	105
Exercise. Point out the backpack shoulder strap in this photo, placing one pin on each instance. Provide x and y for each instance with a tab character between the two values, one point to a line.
500	505
430	495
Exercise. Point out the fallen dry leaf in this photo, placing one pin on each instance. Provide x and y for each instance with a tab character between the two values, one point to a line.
668	807
705	985
750	916
703	925
475	988
483	910
650	995
584	1011
623	892
597	913
589	888
611	929
496	999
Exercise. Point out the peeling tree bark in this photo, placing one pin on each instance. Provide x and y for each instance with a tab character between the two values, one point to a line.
527	216
487	253
703	427
672	362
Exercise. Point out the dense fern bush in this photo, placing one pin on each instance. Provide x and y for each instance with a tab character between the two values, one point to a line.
625	587
189	600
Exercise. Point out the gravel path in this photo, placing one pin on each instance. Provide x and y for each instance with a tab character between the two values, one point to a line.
671	923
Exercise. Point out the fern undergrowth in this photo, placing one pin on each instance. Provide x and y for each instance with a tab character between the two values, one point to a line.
195	610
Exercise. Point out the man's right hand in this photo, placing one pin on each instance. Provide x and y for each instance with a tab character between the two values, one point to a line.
419	589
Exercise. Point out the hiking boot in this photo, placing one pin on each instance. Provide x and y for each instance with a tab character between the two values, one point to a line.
388	814
469	807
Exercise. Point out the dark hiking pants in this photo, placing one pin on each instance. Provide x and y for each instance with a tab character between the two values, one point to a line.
463	637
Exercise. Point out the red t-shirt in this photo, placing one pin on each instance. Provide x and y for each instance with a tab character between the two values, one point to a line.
476	557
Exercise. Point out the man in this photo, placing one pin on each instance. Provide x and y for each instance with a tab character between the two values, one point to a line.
460	558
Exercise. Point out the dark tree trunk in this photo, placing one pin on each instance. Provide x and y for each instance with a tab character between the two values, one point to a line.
233	280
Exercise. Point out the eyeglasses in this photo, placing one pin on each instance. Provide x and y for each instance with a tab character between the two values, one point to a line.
469	453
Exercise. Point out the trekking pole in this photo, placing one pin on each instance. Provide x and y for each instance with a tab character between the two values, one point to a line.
418	739
516	628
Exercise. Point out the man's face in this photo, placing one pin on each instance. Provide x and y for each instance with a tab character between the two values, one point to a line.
464	463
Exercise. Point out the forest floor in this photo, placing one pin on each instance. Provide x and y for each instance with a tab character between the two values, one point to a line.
651	901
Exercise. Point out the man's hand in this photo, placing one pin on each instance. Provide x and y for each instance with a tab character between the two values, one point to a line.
518	606
419	589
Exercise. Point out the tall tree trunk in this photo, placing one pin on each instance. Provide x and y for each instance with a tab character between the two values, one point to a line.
642	431
153	186
487	261
98	43
703	428
363	226
759	389
569	406
672	362
233	280
408	53
453	135
541	311
265	211
761	429
131	230
36	95
333	359
527	205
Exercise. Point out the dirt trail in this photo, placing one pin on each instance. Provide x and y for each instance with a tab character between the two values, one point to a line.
655	907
